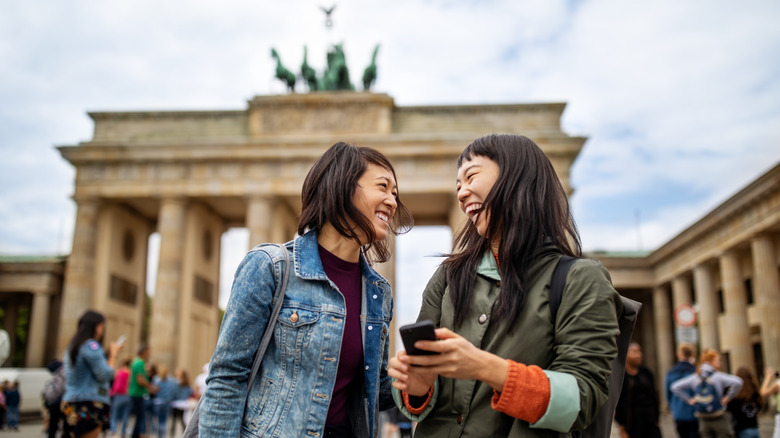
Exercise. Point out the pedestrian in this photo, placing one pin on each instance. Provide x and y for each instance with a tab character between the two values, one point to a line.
685	422
771	386
52	393
324	373
121	403
181	399
712	390
166	391
637	410
88	375
3	409
745	406
139	389
504	367
13	400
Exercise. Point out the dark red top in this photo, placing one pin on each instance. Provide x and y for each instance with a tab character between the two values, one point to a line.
348	279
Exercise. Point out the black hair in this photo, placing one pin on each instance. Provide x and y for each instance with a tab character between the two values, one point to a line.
86	330
327	198
527	206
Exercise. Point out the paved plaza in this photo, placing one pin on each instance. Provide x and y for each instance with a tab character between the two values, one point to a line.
33	428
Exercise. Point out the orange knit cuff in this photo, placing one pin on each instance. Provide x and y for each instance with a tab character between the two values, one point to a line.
417	410
526	393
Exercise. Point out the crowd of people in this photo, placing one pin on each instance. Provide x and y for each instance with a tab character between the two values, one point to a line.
90	395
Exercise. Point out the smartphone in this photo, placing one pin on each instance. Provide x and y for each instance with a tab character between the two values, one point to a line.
121	340
419	331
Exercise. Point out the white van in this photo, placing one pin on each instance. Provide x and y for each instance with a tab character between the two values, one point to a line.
31	382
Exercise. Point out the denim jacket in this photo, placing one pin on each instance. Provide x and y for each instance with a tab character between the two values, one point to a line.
291	394
90	378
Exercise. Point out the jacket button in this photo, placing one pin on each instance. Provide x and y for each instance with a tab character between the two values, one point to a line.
498	284
460	418
294	316
482	318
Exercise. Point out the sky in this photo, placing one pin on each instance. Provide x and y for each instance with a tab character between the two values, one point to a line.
679	99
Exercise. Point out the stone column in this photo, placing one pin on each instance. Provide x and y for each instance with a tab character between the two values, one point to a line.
735	331
707	300
664	331
766	290
39	322
163	333
78	288
259	220
681	291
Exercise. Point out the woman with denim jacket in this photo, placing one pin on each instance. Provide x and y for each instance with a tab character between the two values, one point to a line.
88	374
504	367
324	371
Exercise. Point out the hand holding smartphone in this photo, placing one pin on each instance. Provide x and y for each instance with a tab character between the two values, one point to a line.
419	331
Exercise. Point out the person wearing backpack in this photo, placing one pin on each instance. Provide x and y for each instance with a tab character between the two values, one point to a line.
505	367
712	390
52	396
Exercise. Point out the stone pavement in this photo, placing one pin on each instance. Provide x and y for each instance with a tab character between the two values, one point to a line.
33	428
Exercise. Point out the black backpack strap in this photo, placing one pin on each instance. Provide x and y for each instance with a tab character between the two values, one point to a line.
558	282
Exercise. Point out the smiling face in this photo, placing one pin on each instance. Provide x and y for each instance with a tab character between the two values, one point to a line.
476	178
375	197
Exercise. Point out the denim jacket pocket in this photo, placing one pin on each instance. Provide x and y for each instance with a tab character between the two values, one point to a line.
294	328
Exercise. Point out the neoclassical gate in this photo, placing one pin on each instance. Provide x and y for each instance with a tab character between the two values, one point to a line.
192	175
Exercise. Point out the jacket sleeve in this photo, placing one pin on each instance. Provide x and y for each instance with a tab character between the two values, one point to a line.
732	384
243	326
96	361
683	387
585	346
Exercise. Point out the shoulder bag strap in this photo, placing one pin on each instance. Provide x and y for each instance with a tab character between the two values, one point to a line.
269	329
558	282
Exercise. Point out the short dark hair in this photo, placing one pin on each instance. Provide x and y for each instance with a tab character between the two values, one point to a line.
528	207
327	197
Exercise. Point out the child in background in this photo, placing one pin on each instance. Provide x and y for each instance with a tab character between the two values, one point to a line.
12	402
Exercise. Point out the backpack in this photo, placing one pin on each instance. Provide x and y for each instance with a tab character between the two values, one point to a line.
53	389
706	399
601	427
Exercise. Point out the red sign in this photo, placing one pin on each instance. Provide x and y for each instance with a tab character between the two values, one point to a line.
685	315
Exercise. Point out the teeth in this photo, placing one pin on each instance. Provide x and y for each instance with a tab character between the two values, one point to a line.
473	207
382	216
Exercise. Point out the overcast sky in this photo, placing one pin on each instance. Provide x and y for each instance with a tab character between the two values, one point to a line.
680	100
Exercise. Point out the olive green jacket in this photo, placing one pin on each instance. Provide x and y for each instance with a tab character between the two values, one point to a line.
576	353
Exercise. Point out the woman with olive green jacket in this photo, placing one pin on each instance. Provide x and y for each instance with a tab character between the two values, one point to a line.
505	368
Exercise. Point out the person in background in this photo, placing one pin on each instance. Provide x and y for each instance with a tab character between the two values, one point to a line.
746	405
181	399
166	391
637	410
139	388
12	402
121	403
52	394
150	419
714	424
324	373
685	422
88	375
2	404
771	386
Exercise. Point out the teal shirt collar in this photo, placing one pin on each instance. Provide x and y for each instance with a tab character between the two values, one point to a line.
488	267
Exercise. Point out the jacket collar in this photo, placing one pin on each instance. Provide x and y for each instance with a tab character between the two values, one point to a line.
306	257
488	267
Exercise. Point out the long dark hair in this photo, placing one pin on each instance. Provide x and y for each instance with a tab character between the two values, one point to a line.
749	389
327	197
85	330
527	207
